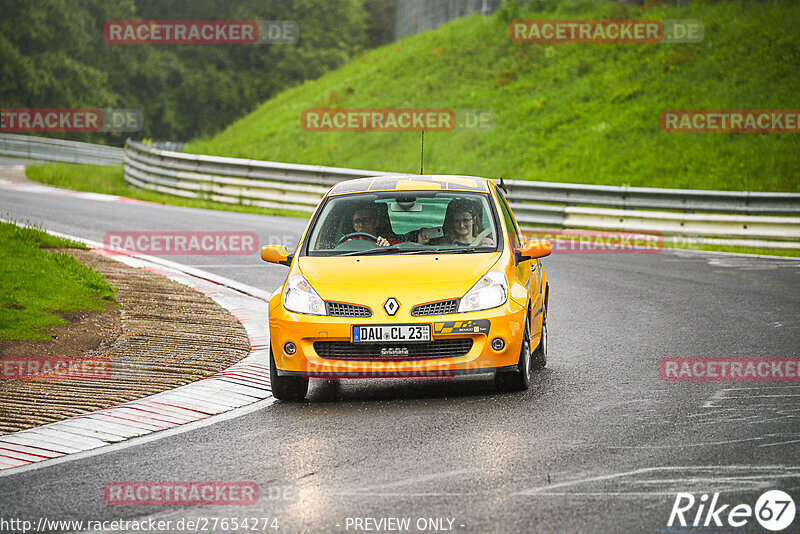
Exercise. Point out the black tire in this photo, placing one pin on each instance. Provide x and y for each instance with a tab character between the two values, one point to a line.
290	388
539	356
520	378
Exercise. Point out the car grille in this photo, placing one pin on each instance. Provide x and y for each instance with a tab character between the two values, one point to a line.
340	309
442	307
344	350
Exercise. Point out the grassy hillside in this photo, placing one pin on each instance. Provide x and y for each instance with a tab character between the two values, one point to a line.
584	113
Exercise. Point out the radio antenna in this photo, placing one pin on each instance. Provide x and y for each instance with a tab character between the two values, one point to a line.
422	153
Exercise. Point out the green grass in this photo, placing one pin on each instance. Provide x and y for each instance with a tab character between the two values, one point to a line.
37	284
787	252
581	113
109	180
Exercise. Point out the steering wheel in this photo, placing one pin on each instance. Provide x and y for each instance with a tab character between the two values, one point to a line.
479	238
354	235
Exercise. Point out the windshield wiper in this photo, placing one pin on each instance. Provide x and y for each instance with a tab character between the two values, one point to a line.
387	250
463	250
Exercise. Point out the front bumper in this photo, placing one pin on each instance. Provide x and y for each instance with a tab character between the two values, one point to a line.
505	322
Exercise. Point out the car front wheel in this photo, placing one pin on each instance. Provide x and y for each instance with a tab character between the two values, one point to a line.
520	378
292	388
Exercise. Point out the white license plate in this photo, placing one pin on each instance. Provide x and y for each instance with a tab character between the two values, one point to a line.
395	332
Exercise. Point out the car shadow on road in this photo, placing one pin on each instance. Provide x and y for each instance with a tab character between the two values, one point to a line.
327	391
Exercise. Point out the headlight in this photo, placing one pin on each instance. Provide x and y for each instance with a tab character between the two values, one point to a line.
300	297
490	291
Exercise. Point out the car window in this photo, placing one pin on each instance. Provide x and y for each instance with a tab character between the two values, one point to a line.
511	223
404	221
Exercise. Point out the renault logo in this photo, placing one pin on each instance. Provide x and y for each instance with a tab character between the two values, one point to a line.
391	306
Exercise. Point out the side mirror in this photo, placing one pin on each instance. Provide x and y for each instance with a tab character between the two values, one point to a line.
533	248
276	254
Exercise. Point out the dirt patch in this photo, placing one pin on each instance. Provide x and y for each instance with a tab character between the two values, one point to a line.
14	174
89	333
165	336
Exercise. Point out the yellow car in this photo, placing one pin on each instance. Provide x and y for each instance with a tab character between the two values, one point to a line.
405	277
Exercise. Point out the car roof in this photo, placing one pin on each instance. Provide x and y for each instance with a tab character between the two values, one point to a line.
412	182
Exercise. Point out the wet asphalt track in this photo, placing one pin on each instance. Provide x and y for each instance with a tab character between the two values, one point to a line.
598	444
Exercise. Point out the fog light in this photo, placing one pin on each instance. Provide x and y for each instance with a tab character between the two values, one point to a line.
498	344
290	348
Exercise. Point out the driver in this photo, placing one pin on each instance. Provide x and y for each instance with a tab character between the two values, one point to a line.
365	220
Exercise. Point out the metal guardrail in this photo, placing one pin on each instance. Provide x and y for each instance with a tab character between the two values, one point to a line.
43	148
728	214
233	180
745	202
718	214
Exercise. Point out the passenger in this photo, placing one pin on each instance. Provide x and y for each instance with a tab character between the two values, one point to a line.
462	225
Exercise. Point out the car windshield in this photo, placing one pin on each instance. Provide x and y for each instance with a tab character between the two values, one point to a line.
404	222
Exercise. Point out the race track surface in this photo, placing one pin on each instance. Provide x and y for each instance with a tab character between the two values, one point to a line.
600	443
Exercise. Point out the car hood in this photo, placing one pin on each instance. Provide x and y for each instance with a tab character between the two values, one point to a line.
370	280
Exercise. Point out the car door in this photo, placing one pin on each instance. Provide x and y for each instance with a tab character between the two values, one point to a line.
527	273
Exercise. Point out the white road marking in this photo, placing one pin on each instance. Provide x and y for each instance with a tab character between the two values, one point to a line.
761	475
686	445
780	443
787	386
223	265
765	396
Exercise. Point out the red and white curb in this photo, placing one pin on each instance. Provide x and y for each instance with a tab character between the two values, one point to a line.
243	383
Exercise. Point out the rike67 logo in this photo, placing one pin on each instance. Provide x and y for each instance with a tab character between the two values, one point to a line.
774	511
